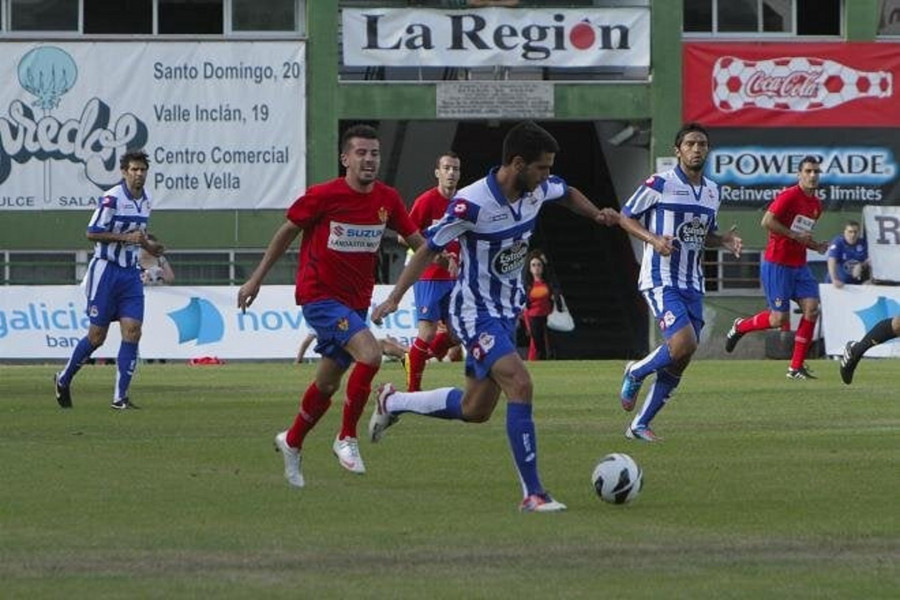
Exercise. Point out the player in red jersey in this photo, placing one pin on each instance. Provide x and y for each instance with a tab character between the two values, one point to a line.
432	291
785	275
342	222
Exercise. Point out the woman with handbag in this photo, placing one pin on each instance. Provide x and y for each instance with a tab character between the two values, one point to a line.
539	303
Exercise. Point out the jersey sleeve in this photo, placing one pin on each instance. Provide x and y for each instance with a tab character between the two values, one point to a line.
779	207
419	213
554	188
834	248
305	209
461	216
101	220
644	198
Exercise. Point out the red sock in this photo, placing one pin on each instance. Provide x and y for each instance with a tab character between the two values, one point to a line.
532	350
440	344
757	322
359	385
415	364
312	407
802	340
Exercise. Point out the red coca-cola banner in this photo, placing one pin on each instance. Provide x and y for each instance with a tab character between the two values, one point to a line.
791	85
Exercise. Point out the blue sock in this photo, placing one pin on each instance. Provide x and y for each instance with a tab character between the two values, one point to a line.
81	353
657	397
656	361
126	363
522	441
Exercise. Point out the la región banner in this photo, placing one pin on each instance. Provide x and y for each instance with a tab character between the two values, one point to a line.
489	37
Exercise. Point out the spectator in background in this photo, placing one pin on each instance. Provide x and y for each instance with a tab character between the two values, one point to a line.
848	258
541	294
155	270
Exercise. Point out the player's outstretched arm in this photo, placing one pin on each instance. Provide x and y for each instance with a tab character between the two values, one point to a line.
278	245
579	204
730	240
410	274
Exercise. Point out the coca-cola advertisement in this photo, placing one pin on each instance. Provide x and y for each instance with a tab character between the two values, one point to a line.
791	85
859	165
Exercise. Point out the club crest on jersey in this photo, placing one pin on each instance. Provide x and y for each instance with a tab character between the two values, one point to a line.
92	311
692	233
779	302
343	324
382	214
510	260
480	348
459	209
668	319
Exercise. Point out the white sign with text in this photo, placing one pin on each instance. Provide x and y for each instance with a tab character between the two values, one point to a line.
180	322
883	235
224	123
490	37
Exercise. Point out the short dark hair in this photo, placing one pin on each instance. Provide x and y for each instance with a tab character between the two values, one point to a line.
851	223
448	154
809	158
690	128
528	140
367	132
134	156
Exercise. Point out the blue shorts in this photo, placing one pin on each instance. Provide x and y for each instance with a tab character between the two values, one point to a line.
674	309
432	299
493	339
334	324
113	293
783	284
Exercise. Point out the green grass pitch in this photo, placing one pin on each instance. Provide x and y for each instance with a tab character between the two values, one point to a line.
763	488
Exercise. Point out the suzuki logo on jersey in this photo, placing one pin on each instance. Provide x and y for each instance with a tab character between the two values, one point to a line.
692	233
345	237
510	260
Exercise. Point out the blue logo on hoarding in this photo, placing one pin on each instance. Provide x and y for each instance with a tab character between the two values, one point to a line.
882	309
200	320
95	138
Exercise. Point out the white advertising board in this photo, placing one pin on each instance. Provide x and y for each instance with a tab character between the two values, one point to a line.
848	313
224	123
883	235
179	322
489	37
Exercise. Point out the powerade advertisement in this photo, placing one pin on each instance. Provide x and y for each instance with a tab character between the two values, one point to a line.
767	105
179	322
859	166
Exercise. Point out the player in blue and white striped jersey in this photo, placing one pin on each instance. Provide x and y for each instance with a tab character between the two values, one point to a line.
493	220
113	284
674	214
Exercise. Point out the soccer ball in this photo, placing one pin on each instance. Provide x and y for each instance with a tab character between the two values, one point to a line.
617	479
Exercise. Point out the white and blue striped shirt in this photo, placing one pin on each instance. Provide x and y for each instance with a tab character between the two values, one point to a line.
493	235
119	212
668	204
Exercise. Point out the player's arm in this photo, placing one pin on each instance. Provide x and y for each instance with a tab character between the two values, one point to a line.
729	240
662	244
770	221
410	274
579	204
278	245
